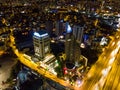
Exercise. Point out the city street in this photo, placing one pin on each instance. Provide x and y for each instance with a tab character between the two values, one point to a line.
113	78
48	37
104	74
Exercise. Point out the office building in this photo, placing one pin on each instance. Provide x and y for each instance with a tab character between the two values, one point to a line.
78	32
49	26
72	47
41	43
60	27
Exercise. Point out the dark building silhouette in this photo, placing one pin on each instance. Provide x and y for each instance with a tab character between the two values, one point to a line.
72	49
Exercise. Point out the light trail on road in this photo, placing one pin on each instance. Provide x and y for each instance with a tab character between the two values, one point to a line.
104	74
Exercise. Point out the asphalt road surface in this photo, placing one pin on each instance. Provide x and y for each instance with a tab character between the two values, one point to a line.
104	74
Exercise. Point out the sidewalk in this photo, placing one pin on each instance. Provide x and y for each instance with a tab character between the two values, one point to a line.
6	65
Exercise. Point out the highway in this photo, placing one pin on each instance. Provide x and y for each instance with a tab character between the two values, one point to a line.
104	74
113	79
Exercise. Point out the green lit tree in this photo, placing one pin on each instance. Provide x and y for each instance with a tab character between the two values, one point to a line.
59	68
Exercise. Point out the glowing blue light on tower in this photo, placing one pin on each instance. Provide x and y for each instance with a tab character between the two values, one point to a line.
69	29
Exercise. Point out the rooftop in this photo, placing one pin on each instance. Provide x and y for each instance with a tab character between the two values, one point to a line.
40	33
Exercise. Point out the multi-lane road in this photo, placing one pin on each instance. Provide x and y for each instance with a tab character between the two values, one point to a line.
104	74
112	81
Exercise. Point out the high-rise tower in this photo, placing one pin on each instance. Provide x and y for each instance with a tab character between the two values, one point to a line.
60	27
69	47
72	48
78	32
41	43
